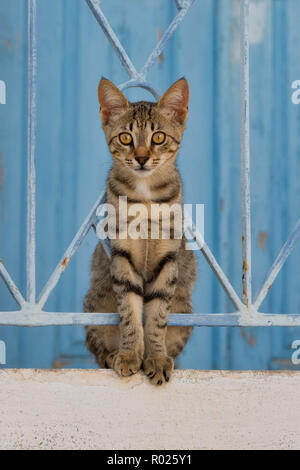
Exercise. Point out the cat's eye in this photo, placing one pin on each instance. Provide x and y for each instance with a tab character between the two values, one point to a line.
158	138
125	138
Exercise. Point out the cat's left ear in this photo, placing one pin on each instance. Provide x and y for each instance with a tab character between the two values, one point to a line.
175	102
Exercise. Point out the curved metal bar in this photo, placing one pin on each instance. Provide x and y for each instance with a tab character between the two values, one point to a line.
140	84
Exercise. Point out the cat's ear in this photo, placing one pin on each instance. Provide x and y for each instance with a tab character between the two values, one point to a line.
112	101
175	101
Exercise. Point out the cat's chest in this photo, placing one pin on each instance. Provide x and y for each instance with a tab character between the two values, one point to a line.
143	190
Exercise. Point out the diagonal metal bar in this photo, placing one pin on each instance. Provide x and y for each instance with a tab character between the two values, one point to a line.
183	3
278	264
11	286
69	253
165	38
113	38
31	174
224	281
245	154
138	79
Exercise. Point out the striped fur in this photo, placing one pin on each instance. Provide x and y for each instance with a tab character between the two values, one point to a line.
150	276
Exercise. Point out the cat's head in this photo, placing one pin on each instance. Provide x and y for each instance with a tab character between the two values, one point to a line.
143	136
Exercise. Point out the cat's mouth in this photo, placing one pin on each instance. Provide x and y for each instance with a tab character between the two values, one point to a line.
142	169
143	172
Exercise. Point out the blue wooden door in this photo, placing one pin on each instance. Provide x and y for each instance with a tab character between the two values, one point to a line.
73	161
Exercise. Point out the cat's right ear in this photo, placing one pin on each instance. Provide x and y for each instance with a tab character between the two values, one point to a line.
112	101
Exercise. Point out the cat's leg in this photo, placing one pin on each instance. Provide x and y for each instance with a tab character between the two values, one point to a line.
128	288
159	292
177	336
102	341
96	340
182	301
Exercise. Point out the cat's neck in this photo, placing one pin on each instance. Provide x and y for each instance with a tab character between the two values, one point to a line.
157	186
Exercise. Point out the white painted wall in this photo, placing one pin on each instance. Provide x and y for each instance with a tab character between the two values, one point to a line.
80	409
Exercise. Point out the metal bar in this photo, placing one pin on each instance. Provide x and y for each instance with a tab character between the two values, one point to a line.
245	154
11	286
113	39
182	4
224	281
277	265
165	38
31	174
69	253
141	84
33	318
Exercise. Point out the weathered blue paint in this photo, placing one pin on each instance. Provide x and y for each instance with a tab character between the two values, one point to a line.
209	30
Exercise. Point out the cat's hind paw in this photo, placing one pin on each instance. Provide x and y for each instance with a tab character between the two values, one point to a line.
127	363
159	369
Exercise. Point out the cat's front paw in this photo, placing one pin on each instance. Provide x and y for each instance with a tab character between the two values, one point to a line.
127	363
159	369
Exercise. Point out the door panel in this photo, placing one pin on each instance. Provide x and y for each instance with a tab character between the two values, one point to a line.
73	160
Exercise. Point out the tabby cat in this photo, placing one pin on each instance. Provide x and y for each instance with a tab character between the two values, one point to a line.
144	277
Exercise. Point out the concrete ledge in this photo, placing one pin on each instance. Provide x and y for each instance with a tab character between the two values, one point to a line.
94	409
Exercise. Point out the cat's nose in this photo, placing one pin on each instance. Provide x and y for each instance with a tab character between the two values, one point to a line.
142	160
